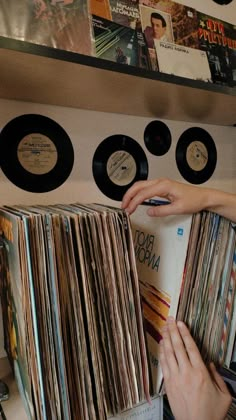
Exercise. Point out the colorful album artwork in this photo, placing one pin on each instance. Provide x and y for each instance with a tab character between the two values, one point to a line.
218	39
118	43
126	12
167	21
160	248
62	24
177	23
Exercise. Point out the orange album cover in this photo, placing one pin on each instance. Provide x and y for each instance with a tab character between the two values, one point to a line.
101	8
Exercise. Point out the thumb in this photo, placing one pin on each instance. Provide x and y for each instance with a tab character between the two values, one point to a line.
217	378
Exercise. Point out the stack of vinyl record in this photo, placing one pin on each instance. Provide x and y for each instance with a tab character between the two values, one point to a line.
72	312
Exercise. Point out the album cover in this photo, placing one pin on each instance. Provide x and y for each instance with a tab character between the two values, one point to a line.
176	23
15	313
100	8
63	25
218	39
126	13
182	61
186	268
160	246
167	21
118	43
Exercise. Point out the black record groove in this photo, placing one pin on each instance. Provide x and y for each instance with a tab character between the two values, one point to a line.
36	153
157	138
196	155
118	162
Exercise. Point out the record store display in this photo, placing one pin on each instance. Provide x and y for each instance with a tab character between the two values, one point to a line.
157	138
118	162
36	153
196	155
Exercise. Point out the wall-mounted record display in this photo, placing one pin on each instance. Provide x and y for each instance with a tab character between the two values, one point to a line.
36	153
118	162
157	138
196	155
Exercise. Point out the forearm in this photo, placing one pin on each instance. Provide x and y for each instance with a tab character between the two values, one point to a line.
220	202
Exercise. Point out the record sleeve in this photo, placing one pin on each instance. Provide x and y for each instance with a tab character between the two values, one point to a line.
64	25
182	61
218	39
126	12
116	43
167	21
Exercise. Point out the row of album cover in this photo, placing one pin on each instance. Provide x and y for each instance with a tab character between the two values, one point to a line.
85	291
158	35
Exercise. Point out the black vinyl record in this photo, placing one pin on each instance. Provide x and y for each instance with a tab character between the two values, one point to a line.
196	155
36	153
223	2
157	138
118	162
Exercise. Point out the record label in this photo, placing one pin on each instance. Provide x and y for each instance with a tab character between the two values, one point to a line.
37	154
196	155
121	168
118	162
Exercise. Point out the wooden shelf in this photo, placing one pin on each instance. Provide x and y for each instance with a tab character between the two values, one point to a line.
40	74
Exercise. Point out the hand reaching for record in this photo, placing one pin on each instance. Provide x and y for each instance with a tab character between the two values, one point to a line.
183	198
194	393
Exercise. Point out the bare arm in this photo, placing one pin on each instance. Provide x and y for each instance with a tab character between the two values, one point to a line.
184	199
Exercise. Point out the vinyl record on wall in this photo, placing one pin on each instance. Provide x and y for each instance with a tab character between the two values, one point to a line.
196	155
222	2
36	153
118	162
157	138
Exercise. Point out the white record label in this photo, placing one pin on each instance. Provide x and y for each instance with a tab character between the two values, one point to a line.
121	168
37	153
197	156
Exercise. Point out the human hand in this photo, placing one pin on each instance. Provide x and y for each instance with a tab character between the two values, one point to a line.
194	393
184	199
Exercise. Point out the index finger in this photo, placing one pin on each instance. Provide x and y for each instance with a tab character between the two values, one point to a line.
134	191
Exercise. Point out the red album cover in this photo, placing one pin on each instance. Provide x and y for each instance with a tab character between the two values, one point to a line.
62	24
218	39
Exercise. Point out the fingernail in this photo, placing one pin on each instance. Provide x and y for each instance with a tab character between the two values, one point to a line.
150	212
